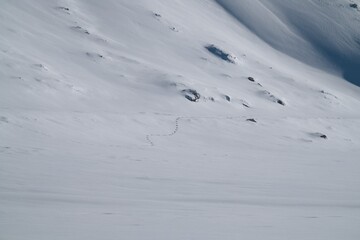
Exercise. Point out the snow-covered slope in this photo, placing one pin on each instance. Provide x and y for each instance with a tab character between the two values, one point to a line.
179	119
318	32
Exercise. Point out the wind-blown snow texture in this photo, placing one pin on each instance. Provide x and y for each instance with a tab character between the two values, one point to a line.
116	122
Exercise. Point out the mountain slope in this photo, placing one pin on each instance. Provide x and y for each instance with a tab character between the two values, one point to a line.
320	33
149	119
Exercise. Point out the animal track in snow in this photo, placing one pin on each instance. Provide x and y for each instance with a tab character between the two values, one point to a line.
149	137
267	93
327	94
165	22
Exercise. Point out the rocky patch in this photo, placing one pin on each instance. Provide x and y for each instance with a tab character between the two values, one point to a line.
63	9
251	79
221	54
354	5
327	94
227	98
273	98
191	95
80	29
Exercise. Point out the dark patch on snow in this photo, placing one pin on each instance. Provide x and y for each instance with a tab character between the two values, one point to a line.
80	29
227	98
319	135
354	5
191	95
220	53
327	94
174	29
40	66
245	105
158	16
94	55
251	79
17	78
280	102
251	120
4	119
64	8
274	99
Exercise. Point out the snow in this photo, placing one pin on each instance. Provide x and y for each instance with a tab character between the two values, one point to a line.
318	32
98	141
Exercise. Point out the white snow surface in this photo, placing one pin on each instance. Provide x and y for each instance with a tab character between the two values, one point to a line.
98	141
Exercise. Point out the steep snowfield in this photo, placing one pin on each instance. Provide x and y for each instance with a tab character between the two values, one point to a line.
318	32
99	138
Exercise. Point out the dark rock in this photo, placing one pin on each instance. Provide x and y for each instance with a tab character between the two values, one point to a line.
191	95
280	102
245	105
173	29
80	29
251	120
273	98
227	98
157	15
63	8
323	136
319	135
220	53
354	5
328	94
251	79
